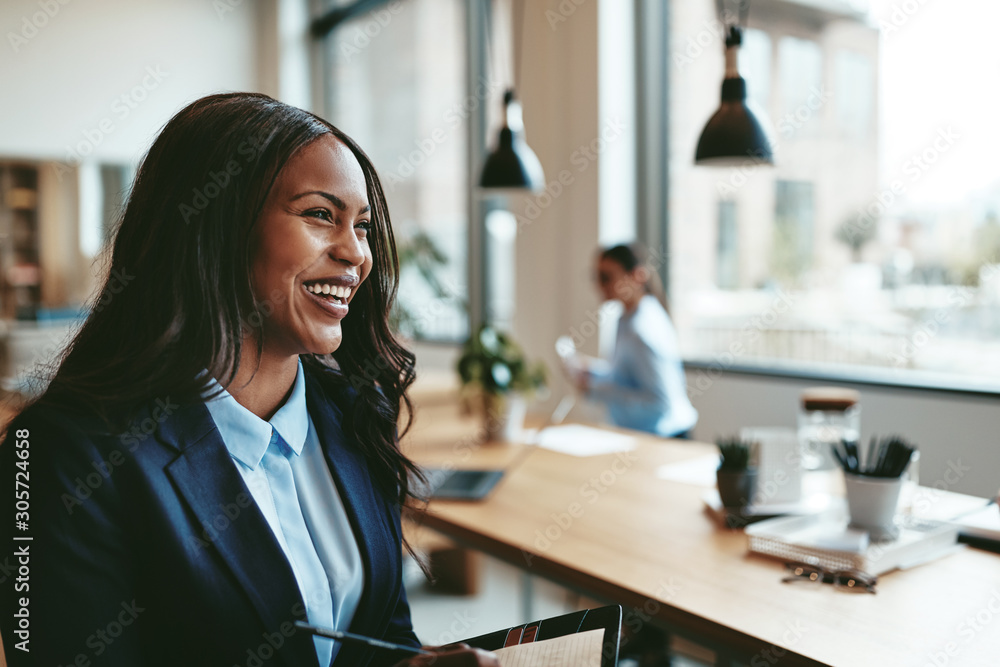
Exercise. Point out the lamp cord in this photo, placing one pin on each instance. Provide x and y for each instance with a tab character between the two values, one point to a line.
491	59
509	63
517	28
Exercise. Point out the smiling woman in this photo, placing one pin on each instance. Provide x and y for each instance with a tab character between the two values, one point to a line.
217	451
313	248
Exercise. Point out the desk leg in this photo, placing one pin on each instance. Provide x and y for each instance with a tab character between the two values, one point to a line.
527	597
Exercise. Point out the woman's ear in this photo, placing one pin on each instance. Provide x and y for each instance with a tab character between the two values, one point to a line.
641	274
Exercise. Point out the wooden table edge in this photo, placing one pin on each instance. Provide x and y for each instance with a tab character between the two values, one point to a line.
668	617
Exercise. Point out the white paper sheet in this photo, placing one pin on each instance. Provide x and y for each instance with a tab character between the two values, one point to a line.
579	650
580	440
699	471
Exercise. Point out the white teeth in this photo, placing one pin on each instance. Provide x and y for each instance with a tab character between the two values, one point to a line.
331	290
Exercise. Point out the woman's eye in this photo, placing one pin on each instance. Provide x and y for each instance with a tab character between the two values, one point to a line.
364	225
321	213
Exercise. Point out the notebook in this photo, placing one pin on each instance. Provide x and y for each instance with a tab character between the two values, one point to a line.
585	638
580	650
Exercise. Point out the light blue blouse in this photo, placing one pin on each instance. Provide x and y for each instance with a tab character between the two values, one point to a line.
331	576
644	387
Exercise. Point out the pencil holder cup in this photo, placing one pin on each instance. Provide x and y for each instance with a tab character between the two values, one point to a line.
736	487
872	504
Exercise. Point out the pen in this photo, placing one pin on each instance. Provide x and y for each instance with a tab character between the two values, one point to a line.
349	637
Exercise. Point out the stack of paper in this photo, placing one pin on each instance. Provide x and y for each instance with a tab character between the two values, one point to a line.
828	541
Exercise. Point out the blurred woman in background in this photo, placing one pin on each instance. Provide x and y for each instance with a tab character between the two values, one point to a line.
643	386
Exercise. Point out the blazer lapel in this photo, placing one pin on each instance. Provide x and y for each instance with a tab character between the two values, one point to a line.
369	517
206	478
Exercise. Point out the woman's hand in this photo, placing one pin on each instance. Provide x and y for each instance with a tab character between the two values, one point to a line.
582	378
452	655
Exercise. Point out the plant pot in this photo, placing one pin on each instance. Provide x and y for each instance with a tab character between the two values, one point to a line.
503	417
736	487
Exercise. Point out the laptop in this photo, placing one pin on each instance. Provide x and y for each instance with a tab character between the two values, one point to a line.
443	484
476	484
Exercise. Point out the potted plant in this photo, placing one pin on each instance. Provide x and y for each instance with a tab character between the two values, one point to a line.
493	368
737	473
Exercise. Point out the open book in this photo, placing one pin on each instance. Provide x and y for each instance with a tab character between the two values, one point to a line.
580	650
585	638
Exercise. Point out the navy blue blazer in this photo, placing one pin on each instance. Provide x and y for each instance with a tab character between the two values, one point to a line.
148	550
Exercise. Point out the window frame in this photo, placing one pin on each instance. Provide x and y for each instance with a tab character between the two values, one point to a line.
328	18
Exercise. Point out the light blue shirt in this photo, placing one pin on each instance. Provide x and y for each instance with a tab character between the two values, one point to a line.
327	567
644	386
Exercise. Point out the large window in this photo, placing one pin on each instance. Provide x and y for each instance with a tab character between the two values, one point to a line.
874	241
396	82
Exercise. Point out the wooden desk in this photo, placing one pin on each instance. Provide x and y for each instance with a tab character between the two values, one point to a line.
607	526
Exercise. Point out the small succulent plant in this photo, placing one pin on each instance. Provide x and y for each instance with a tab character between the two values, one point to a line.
735	454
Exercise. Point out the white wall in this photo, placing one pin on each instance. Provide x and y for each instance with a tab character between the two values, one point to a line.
958	434
63	86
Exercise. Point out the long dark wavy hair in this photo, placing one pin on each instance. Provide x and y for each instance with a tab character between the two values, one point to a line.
182	246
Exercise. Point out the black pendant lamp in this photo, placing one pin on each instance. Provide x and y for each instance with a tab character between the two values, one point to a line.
733	136
512	164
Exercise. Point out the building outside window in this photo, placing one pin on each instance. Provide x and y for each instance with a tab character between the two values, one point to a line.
873	244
